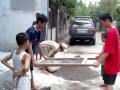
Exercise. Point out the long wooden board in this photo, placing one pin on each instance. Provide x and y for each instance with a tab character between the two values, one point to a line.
67	62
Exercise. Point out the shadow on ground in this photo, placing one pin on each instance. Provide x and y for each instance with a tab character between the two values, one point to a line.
86	43
6	81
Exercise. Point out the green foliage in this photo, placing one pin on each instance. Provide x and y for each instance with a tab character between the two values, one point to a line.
81	9
69	4
117	13
75	8
104	6
117	16
118	25
108	6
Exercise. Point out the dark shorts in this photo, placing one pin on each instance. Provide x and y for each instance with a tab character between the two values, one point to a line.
31	65
109	79
102	69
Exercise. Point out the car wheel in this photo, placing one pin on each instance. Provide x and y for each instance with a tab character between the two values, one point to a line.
93	42
72	41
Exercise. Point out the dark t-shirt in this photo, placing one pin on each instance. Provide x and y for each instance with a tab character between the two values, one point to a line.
42	34
34	37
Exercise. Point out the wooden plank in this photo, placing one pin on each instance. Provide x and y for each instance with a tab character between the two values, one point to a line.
82	52
63	64
66	62
90	62
84	61
91	58
65	58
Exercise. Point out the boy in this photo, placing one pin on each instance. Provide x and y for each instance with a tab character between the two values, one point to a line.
42	34
103	38
21	63
111	52
34	34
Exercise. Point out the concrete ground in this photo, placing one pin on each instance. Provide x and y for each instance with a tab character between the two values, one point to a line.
76	78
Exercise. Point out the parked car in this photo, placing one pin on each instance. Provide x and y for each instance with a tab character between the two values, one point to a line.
82	28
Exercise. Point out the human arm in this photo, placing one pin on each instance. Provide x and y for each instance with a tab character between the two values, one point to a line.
99	55
101	58
30	51
41	51
5	61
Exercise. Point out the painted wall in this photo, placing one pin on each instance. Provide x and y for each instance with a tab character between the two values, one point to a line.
16	16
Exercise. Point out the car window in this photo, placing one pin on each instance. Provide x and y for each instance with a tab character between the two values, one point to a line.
83	23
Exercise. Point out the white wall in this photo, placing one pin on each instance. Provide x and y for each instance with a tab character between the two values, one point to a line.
15	21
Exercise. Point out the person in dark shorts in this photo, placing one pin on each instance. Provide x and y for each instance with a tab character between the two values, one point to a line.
42	35
34	33
111	52
103	38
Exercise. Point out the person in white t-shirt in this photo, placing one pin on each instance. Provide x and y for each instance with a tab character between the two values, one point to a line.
21	64
60	48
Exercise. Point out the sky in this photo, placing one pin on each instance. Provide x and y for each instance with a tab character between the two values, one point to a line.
88	1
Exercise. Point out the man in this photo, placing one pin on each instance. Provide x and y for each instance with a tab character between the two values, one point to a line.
34	33
111	52
42	34
57	51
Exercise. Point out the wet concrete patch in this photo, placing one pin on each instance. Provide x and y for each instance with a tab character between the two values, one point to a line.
77	73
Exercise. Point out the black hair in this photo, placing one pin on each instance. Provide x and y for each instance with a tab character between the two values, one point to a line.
61	48
42	18
37	15
21	38
105	16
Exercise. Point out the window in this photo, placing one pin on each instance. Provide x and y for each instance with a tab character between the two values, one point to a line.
24	5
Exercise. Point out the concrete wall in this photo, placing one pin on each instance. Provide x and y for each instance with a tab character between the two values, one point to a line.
16	16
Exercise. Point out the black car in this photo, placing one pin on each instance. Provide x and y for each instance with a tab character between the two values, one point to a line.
82	28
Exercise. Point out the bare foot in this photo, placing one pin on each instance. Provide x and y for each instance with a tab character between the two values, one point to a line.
103	85
45	72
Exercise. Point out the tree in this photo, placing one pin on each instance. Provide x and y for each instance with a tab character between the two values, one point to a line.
117	14
81	9
108	6
102	7
93	12
69	4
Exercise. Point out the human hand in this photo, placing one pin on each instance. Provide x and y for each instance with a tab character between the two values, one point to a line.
97	57
96	64
45	57
20	73
33	60
14	73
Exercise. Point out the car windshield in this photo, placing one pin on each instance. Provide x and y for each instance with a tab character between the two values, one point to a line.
83	23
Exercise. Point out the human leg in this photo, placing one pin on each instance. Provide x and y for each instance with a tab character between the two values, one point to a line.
109	80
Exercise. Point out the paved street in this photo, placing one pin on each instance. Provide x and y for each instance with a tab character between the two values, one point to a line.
89	77
78	78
